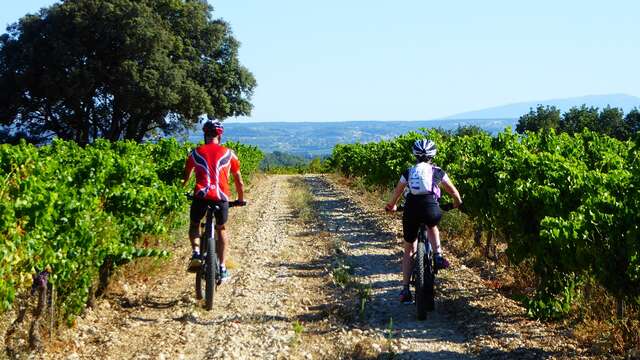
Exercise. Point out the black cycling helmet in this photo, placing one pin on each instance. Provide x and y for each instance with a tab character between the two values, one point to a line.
424	148
213	128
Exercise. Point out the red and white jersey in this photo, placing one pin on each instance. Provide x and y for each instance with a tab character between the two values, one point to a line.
212	163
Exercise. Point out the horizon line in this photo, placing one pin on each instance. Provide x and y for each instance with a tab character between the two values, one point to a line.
365	120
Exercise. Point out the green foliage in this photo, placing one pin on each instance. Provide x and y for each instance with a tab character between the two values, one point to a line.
285	163
298	330
342	274
577	119
632	122
569	203
469	130
250	157
119	69
609	121
279	159
69	208
543	117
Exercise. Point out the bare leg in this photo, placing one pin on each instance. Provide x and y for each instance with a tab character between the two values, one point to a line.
407	263
194	236
221	247
434	239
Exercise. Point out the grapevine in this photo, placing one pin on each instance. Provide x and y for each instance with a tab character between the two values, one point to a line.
69	209
568	203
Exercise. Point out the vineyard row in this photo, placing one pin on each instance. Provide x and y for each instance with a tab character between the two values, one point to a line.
69	210
569	204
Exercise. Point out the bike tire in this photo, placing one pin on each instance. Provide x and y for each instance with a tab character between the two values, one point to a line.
211	265
200	274
430	276
199	289
421	281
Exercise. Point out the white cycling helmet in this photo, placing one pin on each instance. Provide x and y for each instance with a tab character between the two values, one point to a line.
424	148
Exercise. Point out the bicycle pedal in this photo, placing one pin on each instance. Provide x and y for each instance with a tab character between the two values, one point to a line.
194	266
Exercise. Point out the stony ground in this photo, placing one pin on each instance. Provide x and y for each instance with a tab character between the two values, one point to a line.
470	321
284	302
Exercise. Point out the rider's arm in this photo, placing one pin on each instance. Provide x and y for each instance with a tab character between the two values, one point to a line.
237	179
188	169
397	192
451	189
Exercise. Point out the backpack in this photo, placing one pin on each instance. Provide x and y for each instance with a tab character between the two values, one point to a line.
422	180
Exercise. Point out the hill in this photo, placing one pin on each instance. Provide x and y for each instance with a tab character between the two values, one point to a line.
317	139
623	101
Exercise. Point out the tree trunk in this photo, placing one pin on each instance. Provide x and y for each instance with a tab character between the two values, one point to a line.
116	122
104	274
490	249
477	237
620	308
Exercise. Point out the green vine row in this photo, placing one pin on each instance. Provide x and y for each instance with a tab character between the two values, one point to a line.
68	209
568	203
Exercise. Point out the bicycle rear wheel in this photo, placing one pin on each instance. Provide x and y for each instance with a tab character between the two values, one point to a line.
421	282
210	270
199	289
200	274
429	276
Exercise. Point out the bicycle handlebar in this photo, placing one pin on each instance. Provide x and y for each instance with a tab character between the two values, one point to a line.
444	207
231	203
237	203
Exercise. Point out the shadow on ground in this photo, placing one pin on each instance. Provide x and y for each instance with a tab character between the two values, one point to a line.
361	232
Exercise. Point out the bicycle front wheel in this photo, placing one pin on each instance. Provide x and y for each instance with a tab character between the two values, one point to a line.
210	270
421	281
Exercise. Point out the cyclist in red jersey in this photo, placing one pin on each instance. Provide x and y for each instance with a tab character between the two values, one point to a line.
212	163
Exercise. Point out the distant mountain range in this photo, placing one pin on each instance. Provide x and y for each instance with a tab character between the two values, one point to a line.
319	138
623	101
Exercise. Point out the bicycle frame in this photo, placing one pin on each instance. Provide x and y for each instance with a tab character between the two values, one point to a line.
209	233
424	270
209	272
209	230
422	237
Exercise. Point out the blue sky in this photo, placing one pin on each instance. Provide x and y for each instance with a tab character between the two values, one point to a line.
413	59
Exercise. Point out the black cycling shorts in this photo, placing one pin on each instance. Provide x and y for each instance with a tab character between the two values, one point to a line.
427	213
199	210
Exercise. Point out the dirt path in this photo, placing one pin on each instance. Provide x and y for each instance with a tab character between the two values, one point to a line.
282	302
470	321
254	312
374	256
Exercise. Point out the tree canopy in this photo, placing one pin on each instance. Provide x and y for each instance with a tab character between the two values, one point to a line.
119	69
543	117
610	121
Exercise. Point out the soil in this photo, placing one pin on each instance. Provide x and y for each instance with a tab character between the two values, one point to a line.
283	301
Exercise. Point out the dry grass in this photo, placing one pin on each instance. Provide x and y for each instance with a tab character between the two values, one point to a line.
593	322
366	349
139	271
301	200
597	327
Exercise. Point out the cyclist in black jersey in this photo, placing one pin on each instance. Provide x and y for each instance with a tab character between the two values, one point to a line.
423	182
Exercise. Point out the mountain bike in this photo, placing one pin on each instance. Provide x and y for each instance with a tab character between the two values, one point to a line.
424	271
209	272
